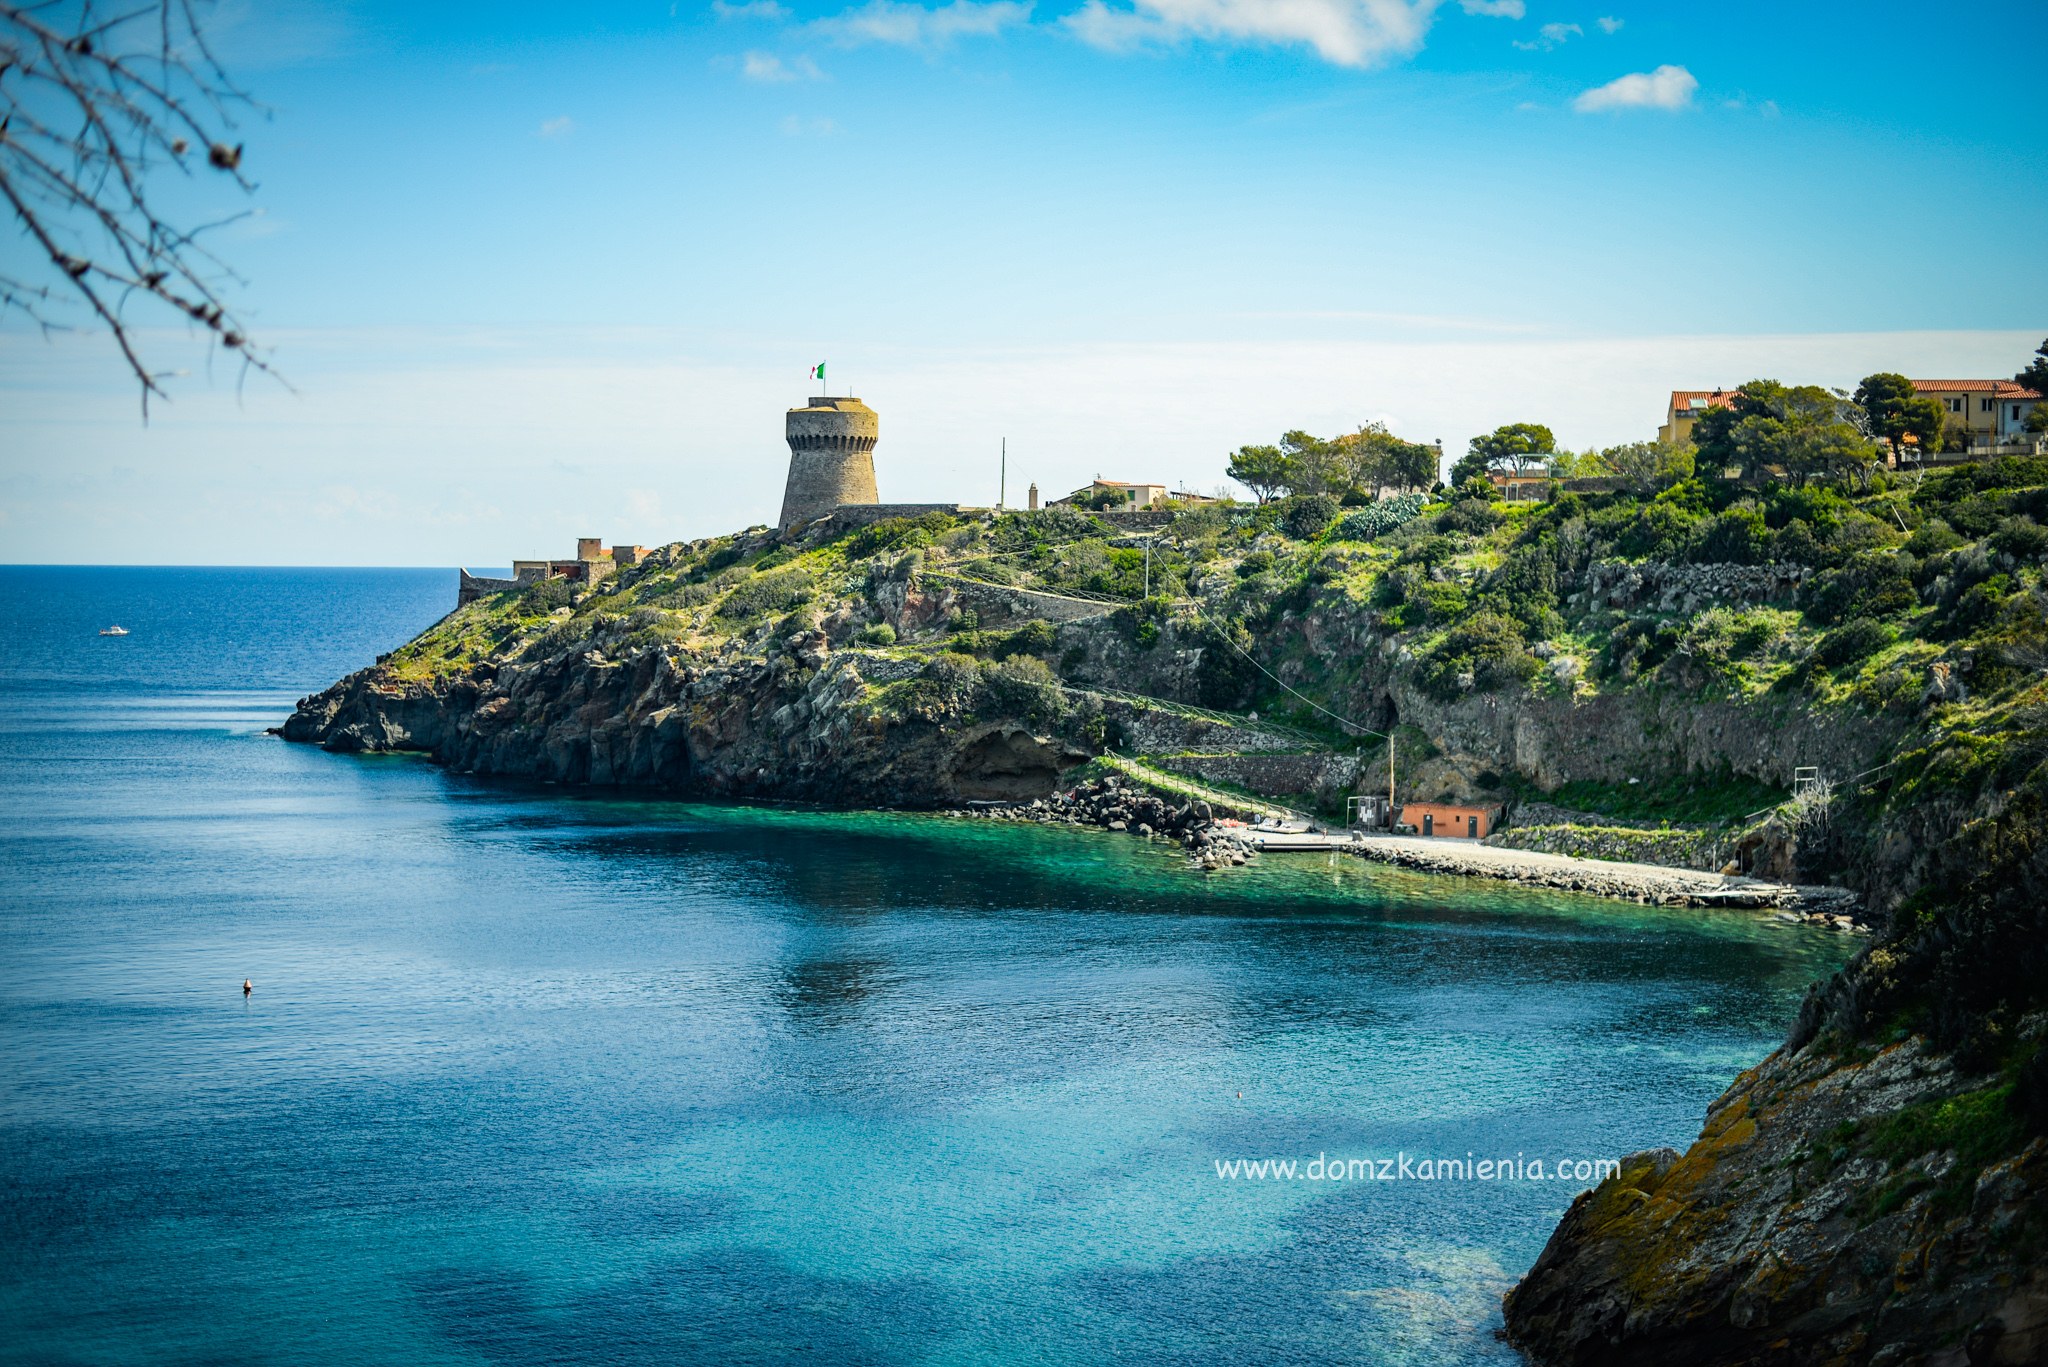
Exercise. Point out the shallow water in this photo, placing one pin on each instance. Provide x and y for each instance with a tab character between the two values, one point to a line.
532	1075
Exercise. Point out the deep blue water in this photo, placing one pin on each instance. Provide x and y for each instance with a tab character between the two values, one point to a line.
541	1076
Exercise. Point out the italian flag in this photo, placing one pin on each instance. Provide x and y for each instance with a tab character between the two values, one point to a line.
818	371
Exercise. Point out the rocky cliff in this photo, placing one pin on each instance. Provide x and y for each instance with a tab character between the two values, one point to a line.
1871	1194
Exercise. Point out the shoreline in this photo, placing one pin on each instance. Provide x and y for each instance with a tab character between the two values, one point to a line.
1212	845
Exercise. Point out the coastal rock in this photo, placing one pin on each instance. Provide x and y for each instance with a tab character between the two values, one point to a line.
1805	1226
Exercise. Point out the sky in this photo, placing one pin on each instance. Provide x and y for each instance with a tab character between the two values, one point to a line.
536	271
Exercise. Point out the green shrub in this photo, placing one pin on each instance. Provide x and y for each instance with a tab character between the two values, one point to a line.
1871	584
1934	535
1852	642
545	596
1472	514
1737	536
1439	602
898	533
1979	606
1797	542
1525	585
951	680
877	634
776	591
1258	562
1023	686
2020	537
1488	647
1033	638
1140	621
718	557
2007	472
1306	515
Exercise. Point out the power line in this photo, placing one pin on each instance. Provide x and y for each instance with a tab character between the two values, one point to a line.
1346	721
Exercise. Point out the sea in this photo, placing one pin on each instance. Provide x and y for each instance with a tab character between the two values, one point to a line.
530	1074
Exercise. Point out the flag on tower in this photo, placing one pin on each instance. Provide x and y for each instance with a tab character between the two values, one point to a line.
818	371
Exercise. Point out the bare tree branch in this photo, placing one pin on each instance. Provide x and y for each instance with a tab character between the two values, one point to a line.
97	101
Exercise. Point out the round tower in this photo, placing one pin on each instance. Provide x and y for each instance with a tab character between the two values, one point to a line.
831	459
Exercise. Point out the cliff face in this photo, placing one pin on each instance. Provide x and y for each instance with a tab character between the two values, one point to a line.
1876	1191
800	725
1835	1209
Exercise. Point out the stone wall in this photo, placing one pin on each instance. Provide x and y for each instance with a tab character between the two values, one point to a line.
1687	848
471	587
867	514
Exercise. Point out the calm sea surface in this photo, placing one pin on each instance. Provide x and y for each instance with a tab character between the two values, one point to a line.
543	1076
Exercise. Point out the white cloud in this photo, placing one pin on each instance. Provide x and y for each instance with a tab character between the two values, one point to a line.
766	66
1356	33
1115	30
892	21
556	129
1550	36
1496	9
1668	87
1609	24
752	9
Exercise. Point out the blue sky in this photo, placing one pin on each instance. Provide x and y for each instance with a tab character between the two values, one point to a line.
542	270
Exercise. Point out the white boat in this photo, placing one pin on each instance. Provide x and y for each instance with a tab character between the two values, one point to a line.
114	631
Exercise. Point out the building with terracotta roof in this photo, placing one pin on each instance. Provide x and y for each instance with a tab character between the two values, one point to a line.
1125	495
1685	408
1992	411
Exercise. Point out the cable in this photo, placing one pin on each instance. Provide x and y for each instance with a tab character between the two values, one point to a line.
1346	721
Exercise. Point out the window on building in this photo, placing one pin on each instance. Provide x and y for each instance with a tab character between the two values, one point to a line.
1955	405
1983	405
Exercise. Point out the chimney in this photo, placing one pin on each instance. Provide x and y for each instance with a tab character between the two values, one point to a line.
1033	495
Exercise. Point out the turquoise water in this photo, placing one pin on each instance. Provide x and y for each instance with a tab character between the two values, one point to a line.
538	1076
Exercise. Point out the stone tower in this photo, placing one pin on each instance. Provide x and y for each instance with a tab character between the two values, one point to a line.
831	459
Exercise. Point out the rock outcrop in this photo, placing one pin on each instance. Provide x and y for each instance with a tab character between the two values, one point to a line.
795	723
1835	1209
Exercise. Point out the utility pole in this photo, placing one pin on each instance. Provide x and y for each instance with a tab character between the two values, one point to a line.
1003	478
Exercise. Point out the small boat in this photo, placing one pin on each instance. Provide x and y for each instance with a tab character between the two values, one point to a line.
114	631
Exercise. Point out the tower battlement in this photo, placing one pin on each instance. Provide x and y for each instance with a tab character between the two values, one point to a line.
831	458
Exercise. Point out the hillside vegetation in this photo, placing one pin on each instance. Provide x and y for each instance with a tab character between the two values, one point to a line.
1642	669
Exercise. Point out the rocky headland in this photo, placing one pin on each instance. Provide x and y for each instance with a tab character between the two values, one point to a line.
1782	687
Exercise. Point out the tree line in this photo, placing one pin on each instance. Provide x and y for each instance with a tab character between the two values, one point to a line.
1802	433
1354	468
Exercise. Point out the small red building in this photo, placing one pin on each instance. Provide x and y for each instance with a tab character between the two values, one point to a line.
1455	820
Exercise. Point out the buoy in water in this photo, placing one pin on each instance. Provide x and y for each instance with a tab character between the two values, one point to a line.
247	987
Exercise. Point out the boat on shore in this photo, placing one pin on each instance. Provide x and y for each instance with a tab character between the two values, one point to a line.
115	630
